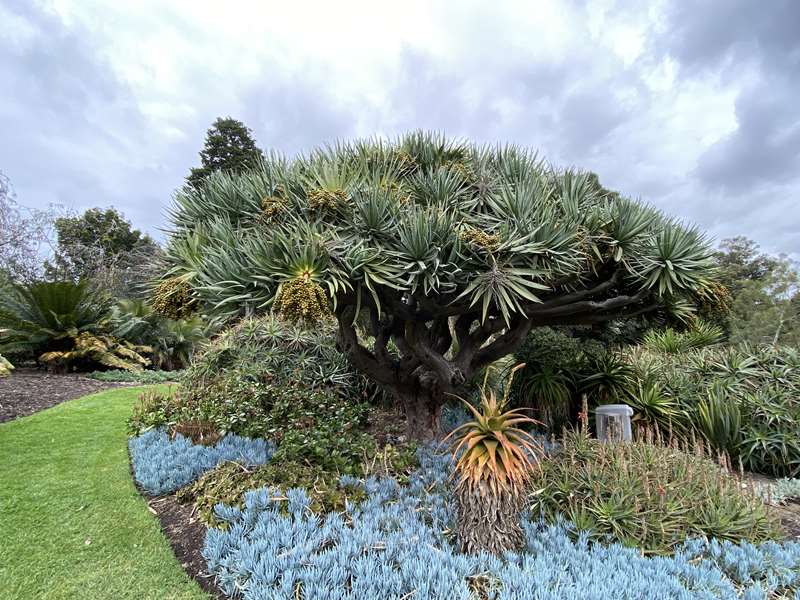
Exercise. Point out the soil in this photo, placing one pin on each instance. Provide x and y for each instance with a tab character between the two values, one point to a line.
789	515
28	391
186	534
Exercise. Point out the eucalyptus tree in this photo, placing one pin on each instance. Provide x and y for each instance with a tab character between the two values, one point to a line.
435	257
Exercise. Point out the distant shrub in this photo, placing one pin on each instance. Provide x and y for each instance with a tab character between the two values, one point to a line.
646	495
780	492
162	465
144	377
699	335
554	362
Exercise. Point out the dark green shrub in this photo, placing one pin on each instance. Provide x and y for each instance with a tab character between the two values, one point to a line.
172	342
554	360
647	495
143	377
48	317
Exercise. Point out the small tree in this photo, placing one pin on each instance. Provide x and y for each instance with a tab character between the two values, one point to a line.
229	146
435	257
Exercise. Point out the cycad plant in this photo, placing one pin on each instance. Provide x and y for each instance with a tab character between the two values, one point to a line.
44	317
494	461
448	253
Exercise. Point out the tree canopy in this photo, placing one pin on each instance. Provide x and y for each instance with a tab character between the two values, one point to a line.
101	245
435	256
229	146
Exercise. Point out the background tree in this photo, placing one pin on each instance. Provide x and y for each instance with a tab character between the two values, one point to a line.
24	234
230	147
741	262
767	310
448	253
100	245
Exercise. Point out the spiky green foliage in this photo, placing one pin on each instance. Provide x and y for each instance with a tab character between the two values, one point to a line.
647	495
173	342
742	401
494	461
387	230
698	335
44	317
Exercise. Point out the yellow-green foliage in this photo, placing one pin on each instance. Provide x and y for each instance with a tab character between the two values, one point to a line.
102	349
647	494
5	367
173	298
229	482
302	299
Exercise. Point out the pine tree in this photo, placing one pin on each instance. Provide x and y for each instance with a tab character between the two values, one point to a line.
229	146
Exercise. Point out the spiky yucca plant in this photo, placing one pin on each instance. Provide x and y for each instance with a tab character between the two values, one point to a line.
494	461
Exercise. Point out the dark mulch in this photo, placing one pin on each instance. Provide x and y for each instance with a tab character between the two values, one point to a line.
186	534
789	515
28	391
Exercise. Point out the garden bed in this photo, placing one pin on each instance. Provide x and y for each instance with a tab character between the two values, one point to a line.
28	391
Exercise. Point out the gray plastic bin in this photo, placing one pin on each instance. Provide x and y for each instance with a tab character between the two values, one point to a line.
614	422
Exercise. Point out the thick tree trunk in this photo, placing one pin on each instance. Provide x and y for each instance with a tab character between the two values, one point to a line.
422	416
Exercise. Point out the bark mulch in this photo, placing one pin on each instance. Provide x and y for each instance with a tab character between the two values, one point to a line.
28	391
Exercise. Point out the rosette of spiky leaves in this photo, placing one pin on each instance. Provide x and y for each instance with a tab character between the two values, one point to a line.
37	318
493	453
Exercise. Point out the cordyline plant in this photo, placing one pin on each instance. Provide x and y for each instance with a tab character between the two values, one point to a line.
436	257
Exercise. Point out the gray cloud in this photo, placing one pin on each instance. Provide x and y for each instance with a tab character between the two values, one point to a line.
75	132
729	37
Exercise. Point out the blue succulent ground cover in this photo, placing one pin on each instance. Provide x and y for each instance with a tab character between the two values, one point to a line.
394	545
162	465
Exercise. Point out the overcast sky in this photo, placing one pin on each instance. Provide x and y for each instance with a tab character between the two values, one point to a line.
692	106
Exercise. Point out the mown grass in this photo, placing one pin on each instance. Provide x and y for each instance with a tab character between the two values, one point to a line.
74	526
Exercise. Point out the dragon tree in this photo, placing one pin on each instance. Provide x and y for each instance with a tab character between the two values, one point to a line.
435	257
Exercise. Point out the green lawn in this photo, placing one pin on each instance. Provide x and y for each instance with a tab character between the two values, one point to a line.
74	526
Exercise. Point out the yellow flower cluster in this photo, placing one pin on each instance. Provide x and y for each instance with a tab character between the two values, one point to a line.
271	206
715	299
476	237
173	298
302	299
326	199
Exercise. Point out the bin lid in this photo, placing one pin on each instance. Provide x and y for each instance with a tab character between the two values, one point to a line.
614	410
